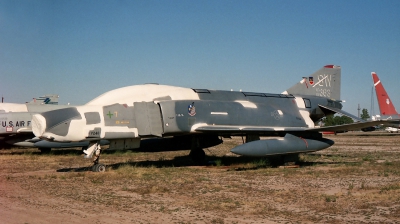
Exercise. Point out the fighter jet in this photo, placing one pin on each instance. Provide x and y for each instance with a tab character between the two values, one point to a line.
386	107
126	115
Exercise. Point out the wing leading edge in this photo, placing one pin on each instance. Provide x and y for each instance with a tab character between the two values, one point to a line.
230	129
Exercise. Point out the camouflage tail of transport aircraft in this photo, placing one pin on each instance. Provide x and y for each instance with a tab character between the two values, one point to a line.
386	107
126	115
46	99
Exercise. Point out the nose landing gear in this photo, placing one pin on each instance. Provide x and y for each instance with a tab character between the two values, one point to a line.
94	149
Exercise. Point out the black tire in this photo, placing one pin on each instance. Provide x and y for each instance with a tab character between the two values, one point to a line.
99	167
94	167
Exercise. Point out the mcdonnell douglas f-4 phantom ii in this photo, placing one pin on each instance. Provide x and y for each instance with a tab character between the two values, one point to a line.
126	115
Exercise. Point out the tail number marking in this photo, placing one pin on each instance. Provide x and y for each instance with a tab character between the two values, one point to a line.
323	92
324	81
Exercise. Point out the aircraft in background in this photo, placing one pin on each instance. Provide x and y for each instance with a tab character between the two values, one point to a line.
386	107
46	99
16	119
50	99
16	128
392	129
127	115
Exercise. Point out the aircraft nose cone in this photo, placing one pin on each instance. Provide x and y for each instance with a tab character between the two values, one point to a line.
38	125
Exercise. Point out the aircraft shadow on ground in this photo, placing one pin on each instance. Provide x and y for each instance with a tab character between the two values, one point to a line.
328	157
177	143
78	151
232	163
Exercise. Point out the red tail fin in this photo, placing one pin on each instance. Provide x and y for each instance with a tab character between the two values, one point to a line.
385	104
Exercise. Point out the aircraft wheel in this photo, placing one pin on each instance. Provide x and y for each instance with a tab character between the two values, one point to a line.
99	167
94	167
45	150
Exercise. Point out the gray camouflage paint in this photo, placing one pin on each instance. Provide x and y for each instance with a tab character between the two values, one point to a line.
162	116
214	108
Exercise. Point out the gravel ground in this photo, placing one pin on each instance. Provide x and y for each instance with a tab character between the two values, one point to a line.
357	180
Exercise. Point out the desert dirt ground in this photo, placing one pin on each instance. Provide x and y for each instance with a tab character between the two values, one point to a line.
357	180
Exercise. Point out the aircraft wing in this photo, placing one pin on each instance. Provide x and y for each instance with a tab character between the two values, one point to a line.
245	129
267	129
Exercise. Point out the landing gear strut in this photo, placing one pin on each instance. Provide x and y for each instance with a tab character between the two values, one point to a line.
197	153
94	150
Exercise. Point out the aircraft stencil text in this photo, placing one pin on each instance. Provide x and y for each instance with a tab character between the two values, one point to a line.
324	81
15	123
323	92
94	133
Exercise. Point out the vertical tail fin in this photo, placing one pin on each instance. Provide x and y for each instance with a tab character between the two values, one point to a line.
385	104
324	82
46	99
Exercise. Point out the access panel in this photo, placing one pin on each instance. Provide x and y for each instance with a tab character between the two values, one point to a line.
148	119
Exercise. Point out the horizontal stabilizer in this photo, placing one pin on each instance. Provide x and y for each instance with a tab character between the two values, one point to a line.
339	111
353	126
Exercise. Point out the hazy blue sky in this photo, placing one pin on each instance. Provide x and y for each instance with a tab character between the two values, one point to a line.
80	49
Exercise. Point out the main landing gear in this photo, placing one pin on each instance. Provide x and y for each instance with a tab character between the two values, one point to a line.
197	153
94	150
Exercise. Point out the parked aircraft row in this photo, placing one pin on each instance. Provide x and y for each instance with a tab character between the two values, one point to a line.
124	117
